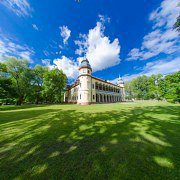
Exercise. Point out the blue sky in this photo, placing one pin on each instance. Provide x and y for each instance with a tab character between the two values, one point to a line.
129	38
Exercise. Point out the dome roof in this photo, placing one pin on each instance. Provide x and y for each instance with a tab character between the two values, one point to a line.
120	81
85	63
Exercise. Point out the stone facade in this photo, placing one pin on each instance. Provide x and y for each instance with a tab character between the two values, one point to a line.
88	89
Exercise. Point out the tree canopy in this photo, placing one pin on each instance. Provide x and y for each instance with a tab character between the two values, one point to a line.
19	83
157	87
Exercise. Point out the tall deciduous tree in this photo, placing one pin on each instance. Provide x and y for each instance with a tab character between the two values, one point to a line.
21	76
154	90
140	87
6	90
172	87
129	90
54	84
37	83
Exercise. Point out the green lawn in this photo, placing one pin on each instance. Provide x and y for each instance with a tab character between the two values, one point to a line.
105	141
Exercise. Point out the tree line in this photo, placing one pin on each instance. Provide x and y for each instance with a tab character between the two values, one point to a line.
157	87
19	83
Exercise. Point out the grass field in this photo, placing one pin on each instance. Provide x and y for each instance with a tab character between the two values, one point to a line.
105	141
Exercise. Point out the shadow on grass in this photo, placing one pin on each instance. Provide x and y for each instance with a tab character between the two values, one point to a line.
141	143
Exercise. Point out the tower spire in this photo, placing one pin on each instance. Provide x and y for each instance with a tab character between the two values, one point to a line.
120	81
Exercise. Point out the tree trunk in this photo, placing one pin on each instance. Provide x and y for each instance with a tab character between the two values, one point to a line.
19	101
37	100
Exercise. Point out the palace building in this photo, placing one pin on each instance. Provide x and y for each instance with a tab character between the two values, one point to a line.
88	89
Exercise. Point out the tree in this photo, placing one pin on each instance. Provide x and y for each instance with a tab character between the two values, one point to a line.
7	93
172	87
154	91
155	87
37	83
177	24
3	69
140	87
21	75
19	81
54	84
129	90
6	90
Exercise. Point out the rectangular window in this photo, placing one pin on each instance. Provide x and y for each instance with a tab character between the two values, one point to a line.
93	86
80	96
93	96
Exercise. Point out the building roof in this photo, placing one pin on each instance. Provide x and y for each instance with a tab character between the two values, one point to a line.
76	83
85	63
104	81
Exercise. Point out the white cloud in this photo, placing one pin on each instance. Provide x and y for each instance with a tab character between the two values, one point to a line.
19	7
166	14
134	54
82	44
65	33
10	47
69	67
47	62
163	66
35	27
114	81
163	38
125	78
46	53
99	50
103	18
